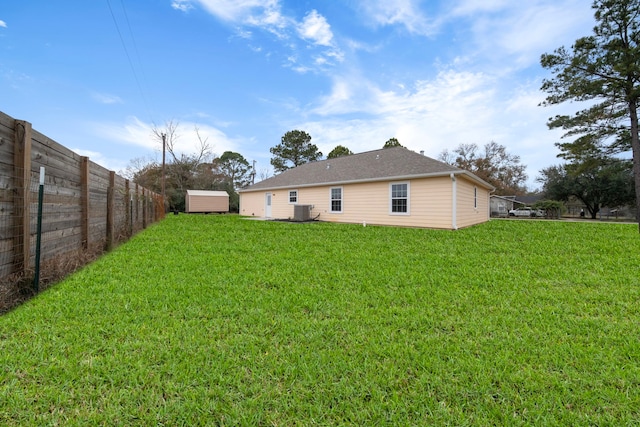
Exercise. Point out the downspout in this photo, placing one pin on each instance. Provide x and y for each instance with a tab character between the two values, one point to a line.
454	205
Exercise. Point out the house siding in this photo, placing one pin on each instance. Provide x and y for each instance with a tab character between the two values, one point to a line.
467	214
280	206
430	203
252	204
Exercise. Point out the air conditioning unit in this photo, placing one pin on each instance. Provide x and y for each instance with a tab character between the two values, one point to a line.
302	212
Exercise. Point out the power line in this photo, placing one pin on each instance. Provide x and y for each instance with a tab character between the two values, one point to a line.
126	51
133	40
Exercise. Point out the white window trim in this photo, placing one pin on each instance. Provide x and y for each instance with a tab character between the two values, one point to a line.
408	212
289	197
341	200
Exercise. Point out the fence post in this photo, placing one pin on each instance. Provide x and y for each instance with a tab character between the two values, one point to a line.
36	279
144	208
128	209
84	184
137	206
110	209
22	195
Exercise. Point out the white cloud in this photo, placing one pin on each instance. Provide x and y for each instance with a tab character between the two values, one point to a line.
422	115
267	16
433	115
534	31
521	31
406	13
182	5
314	27
244	34
470	7
356	94
87	153
342	99
104	161
3	24
136	132
105	98
266	12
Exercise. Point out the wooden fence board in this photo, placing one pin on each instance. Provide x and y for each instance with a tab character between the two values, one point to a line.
6	151
6	139
51	156
6	174
54	146
6	196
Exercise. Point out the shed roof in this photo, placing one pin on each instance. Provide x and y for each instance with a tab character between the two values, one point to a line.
207	193
377	165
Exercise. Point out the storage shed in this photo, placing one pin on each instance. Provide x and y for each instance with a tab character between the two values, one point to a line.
206	201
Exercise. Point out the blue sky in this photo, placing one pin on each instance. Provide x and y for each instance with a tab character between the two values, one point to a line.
97	75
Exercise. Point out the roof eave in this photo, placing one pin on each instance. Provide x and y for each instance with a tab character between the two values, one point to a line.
474	178
469	175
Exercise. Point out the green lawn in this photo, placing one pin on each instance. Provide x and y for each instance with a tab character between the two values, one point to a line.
216	320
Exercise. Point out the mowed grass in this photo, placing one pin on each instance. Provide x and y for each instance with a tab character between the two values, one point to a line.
217	320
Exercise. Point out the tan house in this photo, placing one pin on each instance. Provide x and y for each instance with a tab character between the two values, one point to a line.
392	186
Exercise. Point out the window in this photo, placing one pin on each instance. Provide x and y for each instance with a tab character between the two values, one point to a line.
336	199
400	198
475	197
293	196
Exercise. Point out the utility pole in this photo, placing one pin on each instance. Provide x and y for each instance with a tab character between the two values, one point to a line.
164	144
253	173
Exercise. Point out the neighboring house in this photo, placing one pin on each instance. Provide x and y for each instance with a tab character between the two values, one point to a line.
529	199
392	186
501	205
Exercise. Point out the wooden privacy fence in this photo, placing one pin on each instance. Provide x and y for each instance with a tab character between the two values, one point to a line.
86	209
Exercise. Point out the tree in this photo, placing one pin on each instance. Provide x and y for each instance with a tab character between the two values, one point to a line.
263	174
147	175
604	70
609	183
236	168
182	171
339	151
197	171
136	165
551	208
295	148
234	172
494	165
392	142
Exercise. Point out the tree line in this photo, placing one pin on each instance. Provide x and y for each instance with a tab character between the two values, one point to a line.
598	185
200	170
601	160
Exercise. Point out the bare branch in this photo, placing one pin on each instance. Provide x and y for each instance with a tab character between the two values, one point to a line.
205	149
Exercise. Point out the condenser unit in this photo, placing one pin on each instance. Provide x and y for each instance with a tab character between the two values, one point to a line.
302	212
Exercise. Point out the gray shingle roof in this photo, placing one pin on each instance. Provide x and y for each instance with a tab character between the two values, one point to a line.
377	165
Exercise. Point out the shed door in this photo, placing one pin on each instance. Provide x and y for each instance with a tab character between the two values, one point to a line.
267	205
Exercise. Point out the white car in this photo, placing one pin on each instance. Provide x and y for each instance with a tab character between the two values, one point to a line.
528	212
